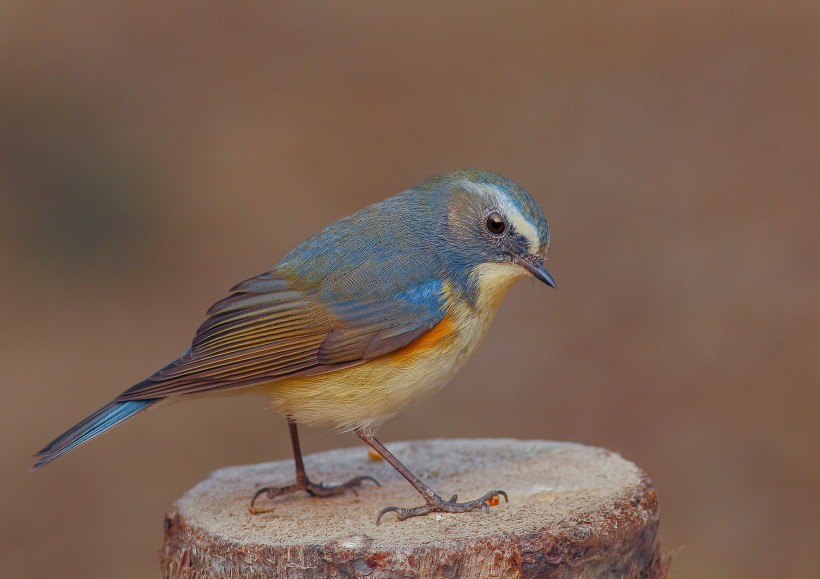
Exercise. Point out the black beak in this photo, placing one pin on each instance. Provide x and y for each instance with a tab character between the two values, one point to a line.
536	267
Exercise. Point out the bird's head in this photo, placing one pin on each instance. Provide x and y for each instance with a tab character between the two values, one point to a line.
495	230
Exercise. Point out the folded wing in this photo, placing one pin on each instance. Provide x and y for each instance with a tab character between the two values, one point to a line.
266	330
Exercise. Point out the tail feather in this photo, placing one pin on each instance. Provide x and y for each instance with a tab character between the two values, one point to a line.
102	420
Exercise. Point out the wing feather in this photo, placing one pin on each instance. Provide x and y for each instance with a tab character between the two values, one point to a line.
266	330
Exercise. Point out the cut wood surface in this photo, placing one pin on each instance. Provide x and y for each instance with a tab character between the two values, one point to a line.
574	511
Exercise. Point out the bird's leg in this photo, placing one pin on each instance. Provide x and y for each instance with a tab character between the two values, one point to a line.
435	504
303	483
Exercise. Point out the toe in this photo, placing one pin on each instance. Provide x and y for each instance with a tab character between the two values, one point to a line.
385	510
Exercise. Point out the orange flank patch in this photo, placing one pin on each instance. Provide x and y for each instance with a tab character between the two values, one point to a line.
492	501
437	336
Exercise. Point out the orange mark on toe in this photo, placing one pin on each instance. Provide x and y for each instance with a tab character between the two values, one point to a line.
374	455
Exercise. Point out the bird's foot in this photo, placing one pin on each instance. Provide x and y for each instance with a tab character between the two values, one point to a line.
436	504
320	490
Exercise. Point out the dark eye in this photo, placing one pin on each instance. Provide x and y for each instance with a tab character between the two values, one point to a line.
495	224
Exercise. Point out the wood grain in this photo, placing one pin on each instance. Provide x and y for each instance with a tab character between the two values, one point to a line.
574	511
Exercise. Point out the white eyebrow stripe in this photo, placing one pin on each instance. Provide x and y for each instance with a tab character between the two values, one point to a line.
522	226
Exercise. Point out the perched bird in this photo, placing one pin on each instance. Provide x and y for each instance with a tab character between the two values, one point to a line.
372	313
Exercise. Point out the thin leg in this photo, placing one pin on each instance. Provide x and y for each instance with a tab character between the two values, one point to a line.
303	483
301	475
435	504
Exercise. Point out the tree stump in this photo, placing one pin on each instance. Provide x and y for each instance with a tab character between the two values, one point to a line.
574	511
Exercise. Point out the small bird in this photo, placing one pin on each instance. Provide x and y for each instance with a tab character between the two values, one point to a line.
374	312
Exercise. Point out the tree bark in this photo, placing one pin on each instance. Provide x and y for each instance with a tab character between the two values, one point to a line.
574	511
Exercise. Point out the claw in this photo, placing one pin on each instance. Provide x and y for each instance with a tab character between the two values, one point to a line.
319	490
258	493
385	510
271	493
437	505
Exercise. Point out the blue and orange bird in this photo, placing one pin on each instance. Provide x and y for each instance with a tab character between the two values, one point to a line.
372	313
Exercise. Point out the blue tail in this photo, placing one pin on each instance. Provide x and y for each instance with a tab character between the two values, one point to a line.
103	419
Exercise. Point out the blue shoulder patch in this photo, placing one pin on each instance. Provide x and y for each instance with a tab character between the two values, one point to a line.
428	293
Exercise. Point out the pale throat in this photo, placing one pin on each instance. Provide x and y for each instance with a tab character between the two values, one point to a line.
492	281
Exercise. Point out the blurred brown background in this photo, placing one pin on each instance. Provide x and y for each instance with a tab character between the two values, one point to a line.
152	155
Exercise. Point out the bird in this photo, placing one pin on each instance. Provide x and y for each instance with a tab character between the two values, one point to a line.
376	311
